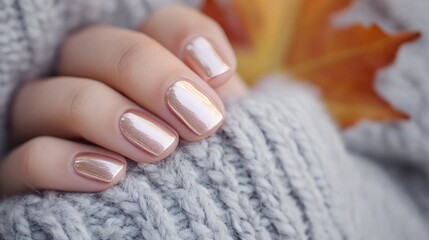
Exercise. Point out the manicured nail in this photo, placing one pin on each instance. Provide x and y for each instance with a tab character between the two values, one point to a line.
194	108
145	133
97	167
202	57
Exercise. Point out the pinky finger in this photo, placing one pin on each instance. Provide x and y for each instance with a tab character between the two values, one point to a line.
47	163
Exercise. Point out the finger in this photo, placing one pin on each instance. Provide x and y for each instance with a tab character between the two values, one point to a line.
232	89
83	108
196	39
147	73
55	164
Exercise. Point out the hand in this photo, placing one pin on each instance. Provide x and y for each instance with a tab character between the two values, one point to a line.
131	94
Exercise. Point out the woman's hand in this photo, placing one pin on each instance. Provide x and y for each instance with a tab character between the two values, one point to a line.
131	94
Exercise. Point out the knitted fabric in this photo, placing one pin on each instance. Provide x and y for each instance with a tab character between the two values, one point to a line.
278	168
272	172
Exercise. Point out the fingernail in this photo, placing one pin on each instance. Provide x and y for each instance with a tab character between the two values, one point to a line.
193	107
145	133
97	167
202	57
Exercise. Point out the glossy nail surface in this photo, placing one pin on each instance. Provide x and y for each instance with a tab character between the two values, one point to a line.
193	107
146	133
97	167
203	58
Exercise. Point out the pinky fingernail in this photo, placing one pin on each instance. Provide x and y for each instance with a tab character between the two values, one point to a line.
97	167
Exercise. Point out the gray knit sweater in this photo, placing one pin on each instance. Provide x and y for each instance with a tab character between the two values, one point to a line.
278	168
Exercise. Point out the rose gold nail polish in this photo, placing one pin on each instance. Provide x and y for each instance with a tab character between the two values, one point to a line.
97	167
194	108
202	57
145	133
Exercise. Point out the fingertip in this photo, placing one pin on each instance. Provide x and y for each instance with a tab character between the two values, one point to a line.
196	39
210	58
234	88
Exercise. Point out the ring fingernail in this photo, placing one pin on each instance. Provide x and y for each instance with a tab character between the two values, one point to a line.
145	133
97	167
201	55
193	107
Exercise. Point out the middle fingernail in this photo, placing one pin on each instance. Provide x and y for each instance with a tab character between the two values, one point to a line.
145	133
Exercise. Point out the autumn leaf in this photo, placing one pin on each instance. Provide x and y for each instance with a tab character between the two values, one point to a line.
296	37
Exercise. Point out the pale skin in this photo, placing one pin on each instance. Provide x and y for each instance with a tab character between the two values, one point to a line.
128	94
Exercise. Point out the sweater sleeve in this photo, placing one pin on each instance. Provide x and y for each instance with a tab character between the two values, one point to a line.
277	169
32	31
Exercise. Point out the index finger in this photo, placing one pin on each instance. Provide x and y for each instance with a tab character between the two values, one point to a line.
196	39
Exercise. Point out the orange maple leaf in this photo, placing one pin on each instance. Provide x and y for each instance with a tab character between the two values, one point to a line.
295	36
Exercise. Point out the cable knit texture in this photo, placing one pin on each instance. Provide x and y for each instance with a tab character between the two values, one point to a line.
278	168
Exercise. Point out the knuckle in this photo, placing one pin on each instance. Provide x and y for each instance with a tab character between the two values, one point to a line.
136	54
34	150
79	98
125	64
37	146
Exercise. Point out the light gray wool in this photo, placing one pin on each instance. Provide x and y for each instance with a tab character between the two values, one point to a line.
272	172
277	169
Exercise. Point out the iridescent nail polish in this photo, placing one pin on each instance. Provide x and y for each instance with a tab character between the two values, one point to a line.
203	59
193	107
97	167
145	132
